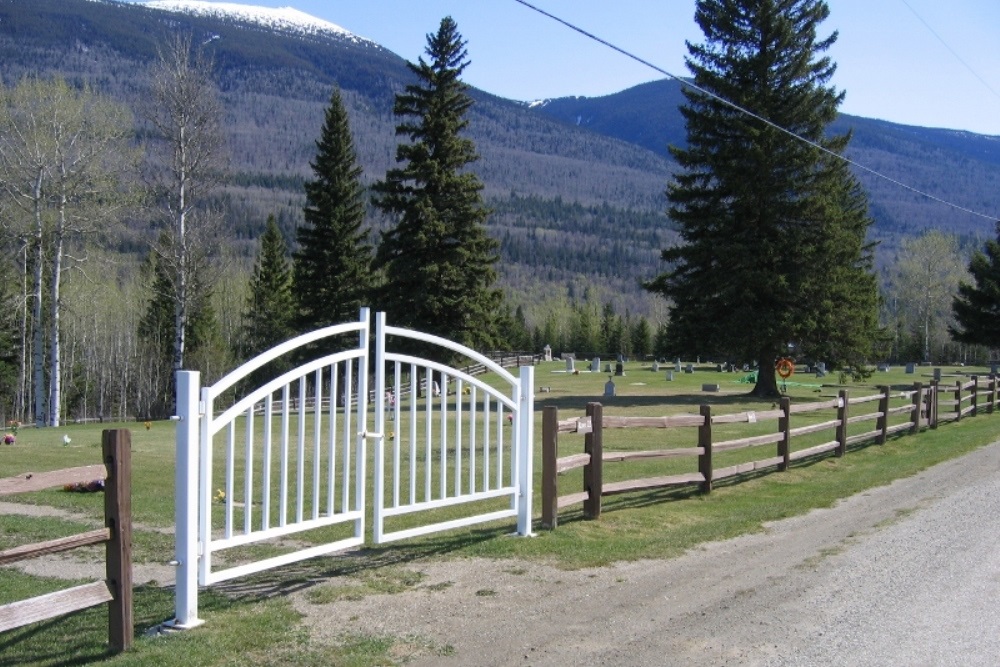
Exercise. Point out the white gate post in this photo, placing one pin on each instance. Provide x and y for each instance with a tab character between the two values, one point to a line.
526	449
378	494
186	502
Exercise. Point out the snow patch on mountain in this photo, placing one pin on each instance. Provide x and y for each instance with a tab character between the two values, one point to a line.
284	19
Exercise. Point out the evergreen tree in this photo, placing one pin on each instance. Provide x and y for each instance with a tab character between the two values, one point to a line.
156	329
438	260
977	307
270	307
773	229
332	275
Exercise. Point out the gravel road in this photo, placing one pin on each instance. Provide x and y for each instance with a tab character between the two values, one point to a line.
907	574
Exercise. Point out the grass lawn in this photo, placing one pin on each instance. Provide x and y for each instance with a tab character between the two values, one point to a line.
260	629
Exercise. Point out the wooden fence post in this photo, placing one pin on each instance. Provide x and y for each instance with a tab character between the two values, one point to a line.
993	393
958	400
882	423
975	395
593	472
550	452
705	443
117	451
932	404
842	425
785	426
918	394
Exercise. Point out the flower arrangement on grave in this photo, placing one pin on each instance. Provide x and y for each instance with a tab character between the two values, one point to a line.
9	439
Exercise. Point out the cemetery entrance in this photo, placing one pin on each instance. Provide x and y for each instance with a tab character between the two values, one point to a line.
286	460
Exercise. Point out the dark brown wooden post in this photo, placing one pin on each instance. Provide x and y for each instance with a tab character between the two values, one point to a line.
842	426
593	472
958	400
993	393
550	452
975	395
705	443
918	393
932	404
882	423
117	450
785	426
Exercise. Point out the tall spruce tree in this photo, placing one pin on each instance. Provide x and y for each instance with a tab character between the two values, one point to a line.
332	274
270	307
438	260
977	307
773	259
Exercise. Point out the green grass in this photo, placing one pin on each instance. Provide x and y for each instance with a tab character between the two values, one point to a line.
251	621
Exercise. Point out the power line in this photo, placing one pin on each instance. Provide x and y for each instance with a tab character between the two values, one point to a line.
743	110
953	52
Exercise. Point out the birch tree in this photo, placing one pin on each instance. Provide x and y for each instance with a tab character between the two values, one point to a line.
65	155
185	114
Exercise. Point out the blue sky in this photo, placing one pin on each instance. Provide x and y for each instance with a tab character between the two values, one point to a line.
918	62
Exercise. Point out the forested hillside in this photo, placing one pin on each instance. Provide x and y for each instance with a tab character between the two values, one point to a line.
576	185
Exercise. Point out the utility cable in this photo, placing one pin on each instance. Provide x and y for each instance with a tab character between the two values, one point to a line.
743	110
953	52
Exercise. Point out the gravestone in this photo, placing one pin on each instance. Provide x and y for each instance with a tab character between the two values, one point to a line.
547	350
570	365
609	388
821	367
937	374
884	368
689	368
910	368
677	365
670	376
710	387
607	367
720	368
595	365
620	369
656	366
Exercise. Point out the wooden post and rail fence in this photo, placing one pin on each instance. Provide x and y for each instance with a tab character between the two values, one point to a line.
920	405
116	588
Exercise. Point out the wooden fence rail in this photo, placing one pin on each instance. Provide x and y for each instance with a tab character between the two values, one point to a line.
919	404
116	589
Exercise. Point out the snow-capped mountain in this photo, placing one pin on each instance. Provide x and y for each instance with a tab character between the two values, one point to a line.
284	19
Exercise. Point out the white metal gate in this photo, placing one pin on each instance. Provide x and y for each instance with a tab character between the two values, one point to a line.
290	455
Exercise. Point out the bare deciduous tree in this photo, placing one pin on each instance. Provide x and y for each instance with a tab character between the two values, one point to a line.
185	113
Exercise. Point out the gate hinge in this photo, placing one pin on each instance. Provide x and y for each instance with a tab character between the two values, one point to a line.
201	408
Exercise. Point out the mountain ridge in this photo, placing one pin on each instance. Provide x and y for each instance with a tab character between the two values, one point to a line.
577	184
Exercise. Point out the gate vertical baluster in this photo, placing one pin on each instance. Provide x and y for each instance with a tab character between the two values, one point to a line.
473	415
414	383
346	440
300	453
286	392
428	419
443	435
459	403
248	472
230	475
331	446
265	473
317	427
486	442
500	447
396	416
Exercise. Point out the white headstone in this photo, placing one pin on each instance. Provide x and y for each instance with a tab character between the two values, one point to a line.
570	365
595	365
